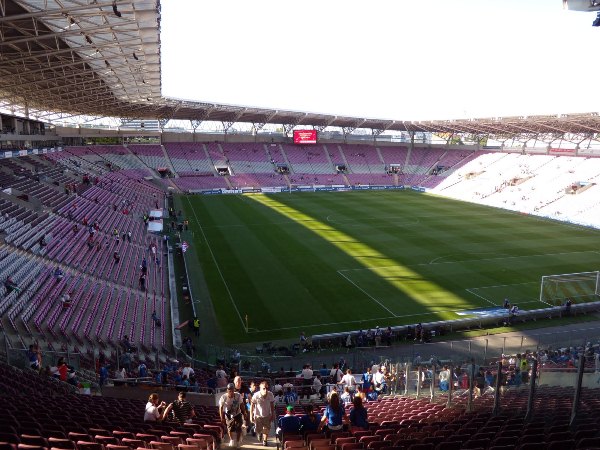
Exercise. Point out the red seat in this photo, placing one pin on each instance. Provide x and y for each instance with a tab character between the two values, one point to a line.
61	443
132	443
200	443
376	445
82	445
344	440
352	446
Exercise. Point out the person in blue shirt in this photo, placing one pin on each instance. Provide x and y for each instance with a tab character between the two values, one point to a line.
358	415
367	379
310	421
335	414
288	424
290	397
324	371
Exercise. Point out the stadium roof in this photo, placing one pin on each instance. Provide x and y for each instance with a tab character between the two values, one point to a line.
102	58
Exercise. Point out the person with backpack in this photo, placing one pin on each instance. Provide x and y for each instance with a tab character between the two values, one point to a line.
336	374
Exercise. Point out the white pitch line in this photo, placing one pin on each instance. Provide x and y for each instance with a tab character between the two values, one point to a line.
361	320
217	266
483	298
368	295
502	257
504	285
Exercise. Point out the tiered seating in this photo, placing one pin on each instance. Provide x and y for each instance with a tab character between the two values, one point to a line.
189	158
151	155
96	282
257	180
44	193
308	160
248	158
394	155
90	422
319	179
357	179
201	182
216	154
361	159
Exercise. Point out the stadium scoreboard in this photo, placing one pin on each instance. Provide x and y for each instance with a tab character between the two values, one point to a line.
305	136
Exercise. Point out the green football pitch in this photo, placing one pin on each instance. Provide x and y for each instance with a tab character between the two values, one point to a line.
277	265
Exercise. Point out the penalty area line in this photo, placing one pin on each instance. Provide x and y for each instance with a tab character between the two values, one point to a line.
368	295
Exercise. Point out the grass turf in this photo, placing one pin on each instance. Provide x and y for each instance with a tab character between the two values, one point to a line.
324	262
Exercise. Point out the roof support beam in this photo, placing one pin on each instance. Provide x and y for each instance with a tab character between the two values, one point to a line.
287	127
226	125
195	124
59	11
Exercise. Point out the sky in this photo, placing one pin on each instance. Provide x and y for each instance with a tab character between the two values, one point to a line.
388	59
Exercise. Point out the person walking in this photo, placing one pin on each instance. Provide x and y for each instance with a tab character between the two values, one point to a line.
230	412
262	411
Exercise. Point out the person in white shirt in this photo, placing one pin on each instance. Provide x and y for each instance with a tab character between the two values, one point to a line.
444	377
230	411
346	397
154	409
307	375
262	411
317	387
221	377
379	381
349	381
336	374
187	371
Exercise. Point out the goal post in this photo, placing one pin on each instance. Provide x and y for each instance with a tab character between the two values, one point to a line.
579	287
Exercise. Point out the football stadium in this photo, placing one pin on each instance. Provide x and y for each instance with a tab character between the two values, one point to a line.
184	274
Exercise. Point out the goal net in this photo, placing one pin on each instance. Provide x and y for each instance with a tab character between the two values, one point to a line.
579	287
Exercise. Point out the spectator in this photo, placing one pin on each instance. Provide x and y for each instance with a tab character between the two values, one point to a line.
568	304
58	274
346	397
358	415
444	377
262	411
65	299
379	381
154	409
230	405
349	381
142	370
221	377
307	375
310	421
34	357
336	374
335	414
318	387
290	397
289	423
367	380
359	392
10	285
182	410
